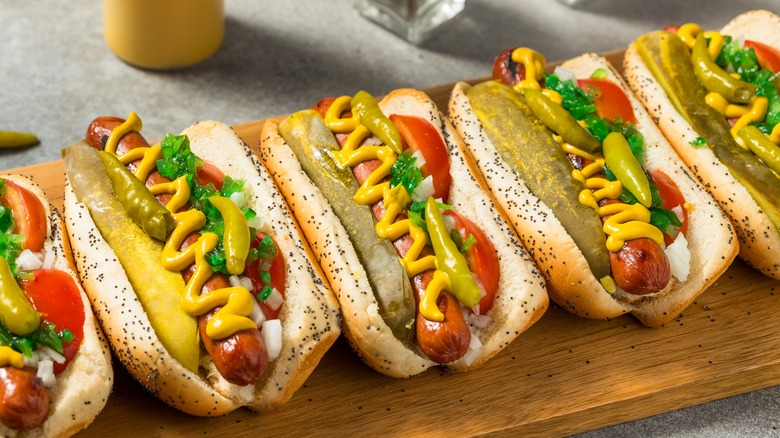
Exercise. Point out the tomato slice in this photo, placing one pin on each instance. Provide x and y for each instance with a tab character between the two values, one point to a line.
28	213
209	173
673	28
420	135
768	56
482	258
278	273
56	297
672	198
611	101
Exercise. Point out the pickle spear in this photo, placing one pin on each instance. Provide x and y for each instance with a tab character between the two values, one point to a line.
668	59
158	289
312	142
528	147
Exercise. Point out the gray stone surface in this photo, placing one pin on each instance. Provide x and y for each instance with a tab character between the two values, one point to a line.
57	74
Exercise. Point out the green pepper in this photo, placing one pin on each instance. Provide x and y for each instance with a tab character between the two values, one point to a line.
367	110
716	79
448	257
761	146
13	139
136	199
561	121
236	237
626	168
16	312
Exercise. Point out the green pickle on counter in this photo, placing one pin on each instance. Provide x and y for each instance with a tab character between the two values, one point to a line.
669	60
526	145
312	143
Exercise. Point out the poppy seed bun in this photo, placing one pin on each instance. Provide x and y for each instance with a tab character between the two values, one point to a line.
759	238
310	316
521	297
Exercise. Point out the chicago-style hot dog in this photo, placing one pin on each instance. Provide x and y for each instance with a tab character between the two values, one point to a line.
202	282
714	95
605	207
55	367
426	269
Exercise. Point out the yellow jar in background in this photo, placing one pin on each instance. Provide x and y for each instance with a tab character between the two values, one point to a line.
163	34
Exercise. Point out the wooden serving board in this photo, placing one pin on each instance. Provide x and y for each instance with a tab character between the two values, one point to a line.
562	376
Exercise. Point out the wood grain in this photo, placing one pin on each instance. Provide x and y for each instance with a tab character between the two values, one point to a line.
564	375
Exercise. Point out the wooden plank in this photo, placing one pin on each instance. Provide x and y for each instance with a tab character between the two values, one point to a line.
564	375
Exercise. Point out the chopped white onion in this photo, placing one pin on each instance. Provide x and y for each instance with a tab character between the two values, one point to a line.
474	346
46	373
679	212
423	191
247	283
565	74
272	335
479	321
234	280
373	141
29	261
679	257
275	300
48	259
449	222
256	222
257	315
238	198
420	159
49	353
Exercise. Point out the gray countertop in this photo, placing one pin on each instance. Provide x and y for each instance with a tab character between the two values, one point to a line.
57	74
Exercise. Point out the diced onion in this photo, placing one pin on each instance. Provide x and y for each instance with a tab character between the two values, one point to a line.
474	346
46	373
247	283
49	353
679	212
29	261
564	74
420	159
238	198
48	259
373	141
679	257
423	191
275	300
449	222
256	222
234	281
257	315
272	335
479	321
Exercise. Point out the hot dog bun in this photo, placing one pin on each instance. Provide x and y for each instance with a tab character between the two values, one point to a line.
759	238
521	298
310	316
82	389
571	283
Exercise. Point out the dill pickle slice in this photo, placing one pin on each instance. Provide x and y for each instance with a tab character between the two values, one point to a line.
668	59
158	289
312	142
528	147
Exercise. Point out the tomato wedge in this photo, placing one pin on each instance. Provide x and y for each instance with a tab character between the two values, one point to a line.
56	297
482	258
278	273
611	101
209	173
672	198
768	56
420	135
28	213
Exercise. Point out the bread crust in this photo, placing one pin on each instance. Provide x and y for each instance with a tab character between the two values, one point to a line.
759	238
82	389
310	316
571	283
521	298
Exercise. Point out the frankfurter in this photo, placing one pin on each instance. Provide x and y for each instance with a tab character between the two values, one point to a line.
426	269
222	308
610	214
714	95
55	367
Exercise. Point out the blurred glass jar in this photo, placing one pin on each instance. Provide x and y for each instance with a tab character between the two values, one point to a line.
163	34
411	19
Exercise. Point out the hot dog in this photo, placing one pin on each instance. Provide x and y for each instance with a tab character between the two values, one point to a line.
55	367
610	215
221	305
714	95
427	270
